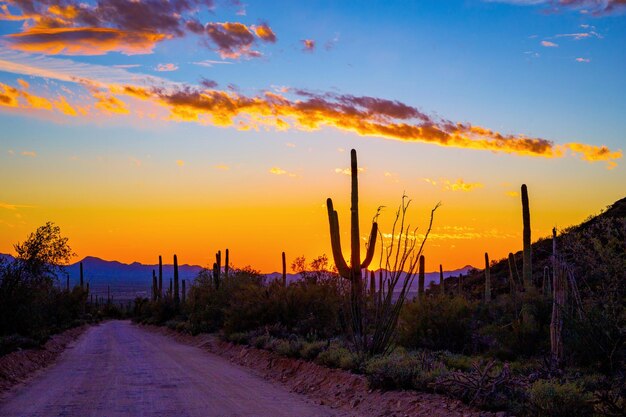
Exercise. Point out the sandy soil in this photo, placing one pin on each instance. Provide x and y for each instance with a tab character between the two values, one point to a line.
118	369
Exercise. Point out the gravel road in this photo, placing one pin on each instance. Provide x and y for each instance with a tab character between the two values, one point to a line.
119	369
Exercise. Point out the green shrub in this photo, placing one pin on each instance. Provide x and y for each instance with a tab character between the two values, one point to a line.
392	372
338	357
239	338
551	398
289	348
437	323
310	350
457	362
261	341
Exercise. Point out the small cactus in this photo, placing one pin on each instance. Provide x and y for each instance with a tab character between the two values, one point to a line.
487	279
176	293
160	277
441	284
284	270
421	278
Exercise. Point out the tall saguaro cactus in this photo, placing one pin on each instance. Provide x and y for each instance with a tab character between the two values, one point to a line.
352	272
160	277
487	279
176	293
217	268
527	272
226	265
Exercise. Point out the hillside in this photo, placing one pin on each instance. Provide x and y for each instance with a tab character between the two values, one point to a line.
473	282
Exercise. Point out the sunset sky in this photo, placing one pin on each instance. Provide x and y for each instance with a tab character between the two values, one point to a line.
153	127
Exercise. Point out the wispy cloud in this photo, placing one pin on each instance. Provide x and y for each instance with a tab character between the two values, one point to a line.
30	154
549	44
596	7
221	167
348	171
13	207
583	60
280	171
166	67
457	185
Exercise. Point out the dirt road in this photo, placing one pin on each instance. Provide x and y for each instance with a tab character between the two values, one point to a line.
119	369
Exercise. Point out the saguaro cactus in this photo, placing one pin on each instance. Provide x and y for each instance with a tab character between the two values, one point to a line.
82	281
487	279
352	272
421	278
217	268
160	277
284	270
226	265
155	287
176	293
441	284
527	272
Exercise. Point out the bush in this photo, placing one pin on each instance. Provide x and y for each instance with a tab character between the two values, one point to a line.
289	348
239	338
417	370
550	398
310	350
437	323
338	357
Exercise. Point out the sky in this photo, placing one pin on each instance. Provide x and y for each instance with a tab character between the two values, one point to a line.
153	127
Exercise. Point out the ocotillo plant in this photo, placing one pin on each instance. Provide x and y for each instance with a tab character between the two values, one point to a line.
559	299
81	275
226	265
421	278
184	292
284	270
441	284
487	279
527	272
160	277
155	287
352	272
176	294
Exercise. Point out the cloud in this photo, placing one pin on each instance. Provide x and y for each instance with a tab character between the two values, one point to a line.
348	171
221	167
180	162
280	171
30	154
265	33
234	40
596	7
549	44
584	60
580	35
84	41
308	45
512	193
457	185
166	67
73	27
12	207
209	63
308	111
108	103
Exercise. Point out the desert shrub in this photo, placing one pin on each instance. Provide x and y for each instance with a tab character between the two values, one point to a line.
550	398
338	357
437	323
261	341
402	370
310	350
242	338
486	385
15	342
457	361
289	348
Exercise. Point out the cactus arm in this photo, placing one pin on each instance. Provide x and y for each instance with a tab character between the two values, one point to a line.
370	247
335	240
527	273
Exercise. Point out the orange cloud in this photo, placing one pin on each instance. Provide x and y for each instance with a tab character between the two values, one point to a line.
264	32
309	45
166	67
233	40
84	41
109	104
